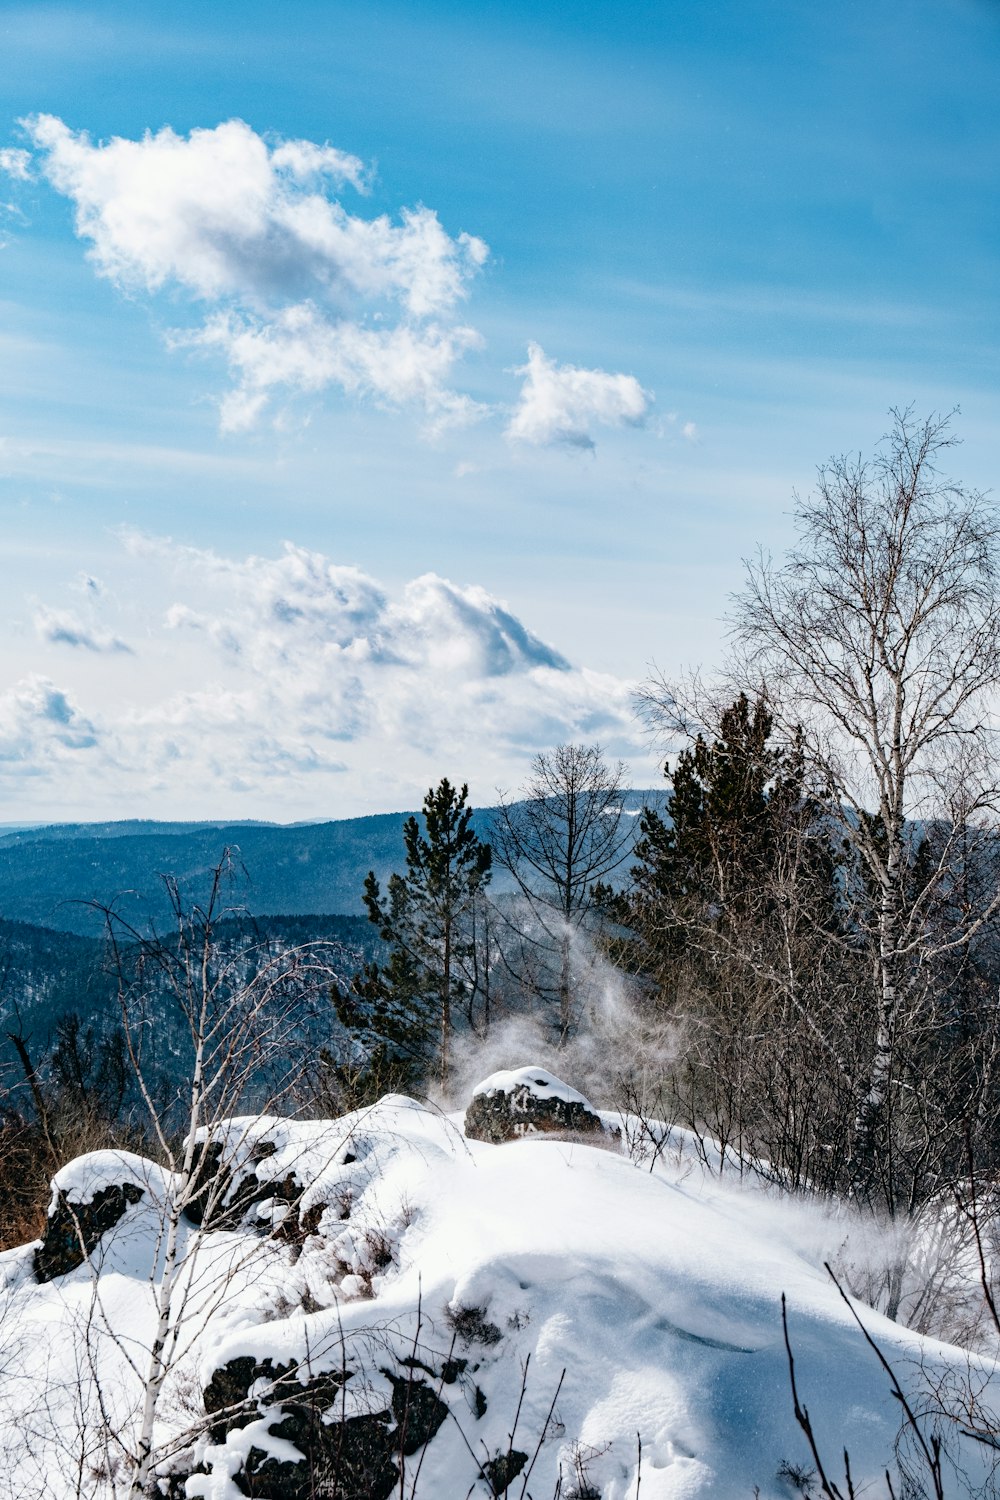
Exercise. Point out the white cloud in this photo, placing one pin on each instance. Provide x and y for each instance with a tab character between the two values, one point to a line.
42	731
63	627
306	161
302	294
15	163
298	294
212	211
301	683
301	610
300	349
560	404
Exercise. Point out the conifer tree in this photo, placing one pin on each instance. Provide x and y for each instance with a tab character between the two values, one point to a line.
735	926
425	918
735	802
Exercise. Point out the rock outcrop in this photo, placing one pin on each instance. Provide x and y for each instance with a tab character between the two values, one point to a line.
90	1198
73	1230
344	1457
532	1101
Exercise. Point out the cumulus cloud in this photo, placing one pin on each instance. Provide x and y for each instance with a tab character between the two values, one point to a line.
300	683
298	292
212	211
560	404
303	294
303	611
63	627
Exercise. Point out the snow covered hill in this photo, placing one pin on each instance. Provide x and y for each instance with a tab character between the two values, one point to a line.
385	1306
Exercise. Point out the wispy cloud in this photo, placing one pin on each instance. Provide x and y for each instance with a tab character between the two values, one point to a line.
63	627
300	349
15	163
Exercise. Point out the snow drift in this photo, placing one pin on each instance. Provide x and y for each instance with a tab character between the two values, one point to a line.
388	1307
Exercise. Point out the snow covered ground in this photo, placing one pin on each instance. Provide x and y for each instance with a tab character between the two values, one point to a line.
536	1309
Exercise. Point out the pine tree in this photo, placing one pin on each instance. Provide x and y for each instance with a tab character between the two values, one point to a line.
735	925
425	918
394	1027
736	802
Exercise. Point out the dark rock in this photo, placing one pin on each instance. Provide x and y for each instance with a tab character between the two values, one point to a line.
226	1395
173	1486
344	1461
229	1385
233	1194
341	1460
309	1221
74	1229
501	1471
418	1412
450	1370
521	1105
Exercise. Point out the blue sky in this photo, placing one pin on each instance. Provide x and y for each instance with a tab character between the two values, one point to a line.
734	234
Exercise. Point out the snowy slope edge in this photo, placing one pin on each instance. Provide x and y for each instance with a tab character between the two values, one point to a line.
397	1309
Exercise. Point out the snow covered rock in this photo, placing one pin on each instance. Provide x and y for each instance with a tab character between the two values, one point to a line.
352	1454
531	1101
89	1198
234	1183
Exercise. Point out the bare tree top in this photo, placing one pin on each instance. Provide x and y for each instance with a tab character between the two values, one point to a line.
566	830
880	630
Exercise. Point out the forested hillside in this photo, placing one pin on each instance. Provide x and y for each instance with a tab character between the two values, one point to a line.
49	875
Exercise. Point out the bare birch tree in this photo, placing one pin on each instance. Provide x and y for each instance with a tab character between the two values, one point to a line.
879	634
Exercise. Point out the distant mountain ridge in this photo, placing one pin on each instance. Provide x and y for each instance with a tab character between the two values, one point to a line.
51	876
125	828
